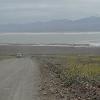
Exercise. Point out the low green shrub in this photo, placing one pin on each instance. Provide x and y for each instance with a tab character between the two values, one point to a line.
78	72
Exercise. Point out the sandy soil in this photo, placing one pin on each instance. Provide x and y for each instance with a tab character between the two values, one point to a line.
19	79
53	88
37	50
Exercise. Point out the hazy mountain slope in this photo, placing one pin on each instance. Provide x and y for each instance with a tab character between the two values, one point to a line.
86	24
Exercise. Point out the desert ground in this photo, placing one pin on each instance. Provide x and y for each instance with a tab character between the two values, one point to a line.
12	49
40	73
19	79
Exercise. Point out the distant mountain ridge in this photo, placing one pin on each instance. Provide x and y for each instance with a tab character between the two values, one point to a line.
90	24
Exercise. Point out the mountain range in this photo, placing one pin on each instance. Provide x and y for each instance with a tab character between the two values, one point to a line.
90	24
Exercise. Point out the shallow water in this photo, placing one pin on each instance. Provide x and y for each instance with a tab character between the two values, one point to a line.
92	38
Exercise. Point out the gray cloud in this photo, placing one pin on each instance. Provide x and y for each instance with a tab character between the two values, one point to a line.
22	11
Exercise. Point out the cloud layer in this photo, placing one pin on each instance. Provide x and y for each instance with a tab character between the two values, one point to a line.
22	11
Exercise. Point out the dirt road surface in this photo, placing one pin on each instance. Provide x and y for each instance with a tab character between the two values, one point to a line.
19	79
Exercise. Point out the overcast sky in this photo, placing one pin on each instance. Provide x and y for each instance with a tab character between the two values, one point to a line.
22	11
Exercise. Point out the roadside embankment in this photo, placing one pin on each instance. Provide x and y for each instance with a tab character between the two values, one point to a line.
70	77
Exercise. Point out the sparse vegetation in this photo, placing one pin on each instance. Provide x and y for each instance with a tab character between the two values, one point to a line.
6	57
78	74
82	68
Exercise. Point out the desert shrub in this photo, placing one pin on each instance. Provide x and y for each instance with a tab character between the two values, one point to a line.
75	69
78	72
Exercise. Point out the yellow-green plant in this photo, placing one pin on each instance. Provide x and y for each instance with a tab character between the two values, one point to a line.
81	68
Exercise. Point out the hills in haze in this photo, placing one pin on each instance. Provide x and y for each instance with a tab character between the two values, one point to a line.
89	24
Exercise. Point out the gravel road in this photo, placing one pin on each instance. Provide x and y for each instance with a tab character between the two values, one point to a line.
19	79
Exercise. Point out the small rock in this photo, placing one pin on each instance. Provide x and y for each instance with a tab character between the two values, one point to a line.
61	95
52	90
44	93
79	98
